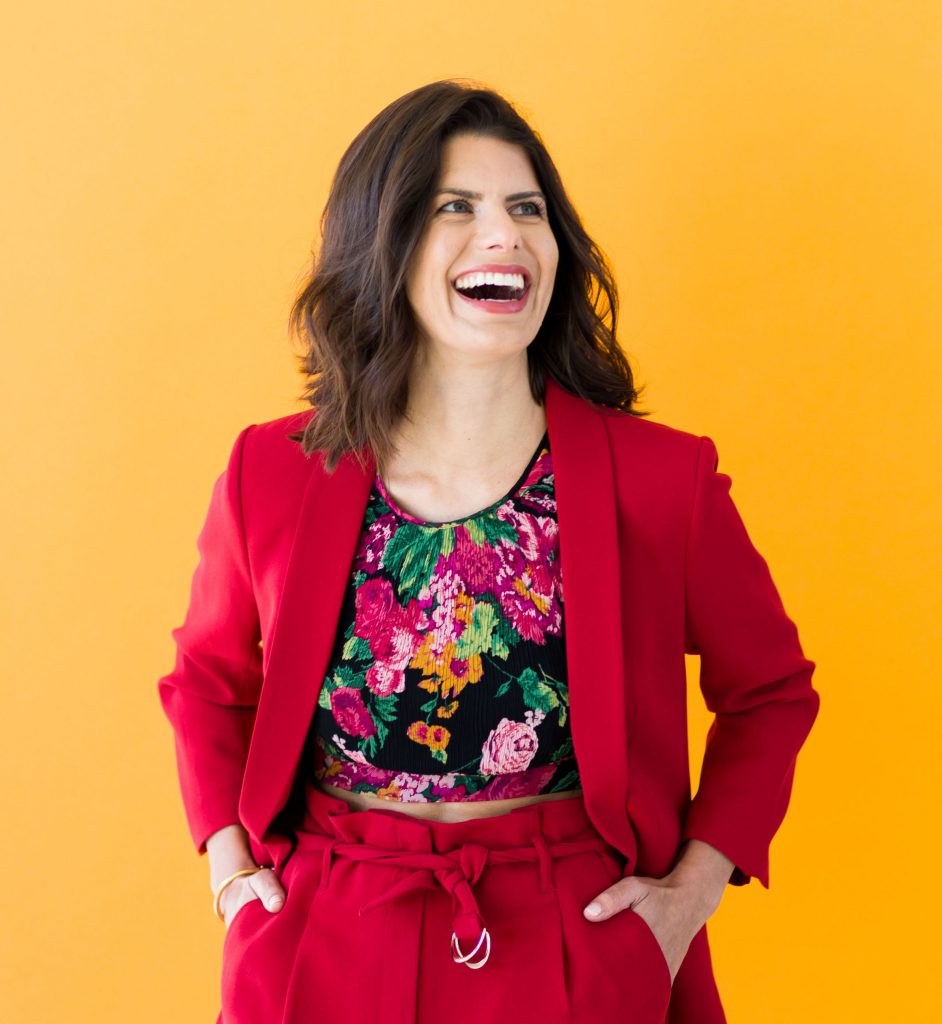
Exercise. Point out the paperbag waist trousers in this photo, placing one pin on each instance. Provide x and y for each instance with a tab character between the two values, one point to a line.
394	919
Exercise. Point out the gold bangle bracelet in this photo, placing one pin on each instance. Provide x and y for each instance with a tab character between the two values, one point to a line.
224	883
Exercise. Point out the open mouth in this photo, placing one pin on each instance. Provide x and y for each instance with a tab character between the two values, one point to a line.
493	292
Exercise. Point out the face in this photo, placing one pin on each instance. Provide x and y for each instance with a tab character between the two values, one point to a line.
489	226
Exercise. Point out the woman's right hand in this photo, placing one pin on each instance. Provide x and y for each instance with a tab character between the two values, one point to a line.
229	850
262	885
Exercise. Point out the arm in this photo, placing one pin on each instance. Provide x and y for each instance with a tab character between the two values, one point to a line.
754	678
212	693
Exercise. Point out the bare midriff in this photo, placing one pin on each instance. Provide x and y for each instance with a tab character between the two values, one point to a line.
441	810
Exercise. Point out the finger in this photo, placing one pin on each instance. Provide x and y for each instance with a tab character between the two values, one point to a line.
265	883
617	897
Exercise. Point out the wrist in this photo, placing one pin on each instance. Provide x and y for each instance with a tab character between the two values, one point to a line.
704	872
228	851
228	895
221	892
217	877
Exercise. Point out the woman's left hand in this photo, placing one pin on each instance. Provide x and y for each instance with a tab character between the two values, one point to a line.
674	910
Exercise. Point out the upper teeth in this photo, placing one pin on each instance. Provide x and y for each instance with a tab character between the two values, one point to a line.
478	278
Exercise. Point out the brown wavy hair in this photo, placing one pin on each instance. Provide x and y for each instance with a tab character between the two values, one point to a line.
352	315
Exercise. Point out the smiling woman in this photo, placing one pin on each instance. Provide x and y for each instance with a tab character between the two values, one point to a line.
446	181
433	663
504	301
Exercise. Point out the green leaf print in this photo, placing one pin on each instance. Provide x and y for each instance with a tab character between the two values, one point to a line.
371	744
386	708
476	637
440	755
374	510
343	676
565	749
504	636
412	554
569	781
562	692
357	648
536	693
489	530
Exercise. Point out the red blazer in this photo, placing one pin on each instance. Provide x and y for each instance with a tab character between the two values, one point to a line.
656	562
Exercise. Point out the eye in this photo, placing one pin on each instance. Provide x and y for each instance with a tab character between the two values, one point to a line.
538	210
452	203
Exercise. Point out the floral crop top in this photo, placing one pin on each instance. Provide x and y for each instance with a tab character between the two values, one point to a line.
448	676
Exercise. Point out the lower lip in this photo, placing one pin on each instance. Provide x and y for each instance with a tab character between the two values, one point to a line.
492	306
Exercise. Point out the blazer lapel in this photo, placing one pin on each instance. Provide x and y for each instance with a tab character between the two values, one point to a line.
303	632
591	574
317	575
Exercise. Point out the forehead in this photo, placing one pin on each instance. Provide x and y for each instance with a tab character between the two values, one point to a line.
478	159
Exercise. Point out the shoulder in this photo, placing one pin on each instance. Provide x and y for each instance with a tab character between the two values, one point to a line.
658	469
268	450
645	443
275	432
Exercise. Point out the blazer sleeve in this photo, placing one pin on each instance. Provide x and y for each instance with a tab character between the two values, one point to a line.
212	693
754	678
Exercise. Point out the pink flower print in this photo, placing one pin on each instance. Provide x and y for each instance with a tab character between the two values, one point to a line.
509	748
507	787
542	467
346	703
540	500
394	634
447	624
474	564
528	594
445	787
538	535
384	678
375	601
409	788
351	755
369	556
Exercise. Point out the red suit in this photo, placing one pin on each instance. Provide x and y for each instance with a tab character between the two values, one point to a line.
656	562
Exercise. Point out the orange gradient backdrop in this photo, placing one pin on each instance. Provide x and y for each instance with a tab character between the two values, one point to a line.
765	178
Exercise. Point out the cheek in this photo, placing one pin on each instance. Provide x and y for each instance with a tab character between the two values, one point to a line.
552	257
549	260
548	280
430	289
423	293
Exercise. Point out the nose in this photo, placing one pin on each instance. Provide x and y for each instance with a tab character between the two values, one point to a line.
498	229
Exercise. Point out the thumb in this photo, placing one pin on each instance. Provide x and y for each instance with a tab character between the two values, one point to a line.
617	897
269	890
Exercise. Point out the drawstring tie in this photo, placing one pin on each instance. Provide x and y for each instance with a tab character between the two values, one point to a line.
456	872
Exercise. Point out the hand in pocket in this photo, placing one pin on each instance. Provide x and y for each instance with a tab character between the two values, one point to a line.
263	885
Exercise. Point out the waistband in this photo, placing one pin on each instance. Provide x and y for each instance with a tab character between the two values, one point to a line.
450	855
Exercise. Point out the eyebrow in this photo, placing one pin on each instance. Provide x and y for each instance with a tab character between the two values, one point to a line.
477	195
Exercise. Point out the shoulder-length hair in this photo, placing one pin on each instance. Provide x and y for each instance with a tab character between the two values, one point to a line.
352	315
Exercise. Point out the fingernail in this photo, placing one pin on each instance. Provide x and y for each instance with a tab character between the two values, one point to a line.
275	901
593	910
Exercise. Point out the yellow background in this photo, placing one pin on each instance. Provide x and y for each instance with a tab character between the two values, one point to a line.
766	180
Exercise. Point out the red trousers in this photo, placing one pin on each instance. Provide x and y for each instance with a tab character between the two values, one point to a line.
387	914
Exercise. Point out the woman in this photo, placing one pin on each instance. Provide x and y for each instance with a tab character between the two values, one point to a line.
429	697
